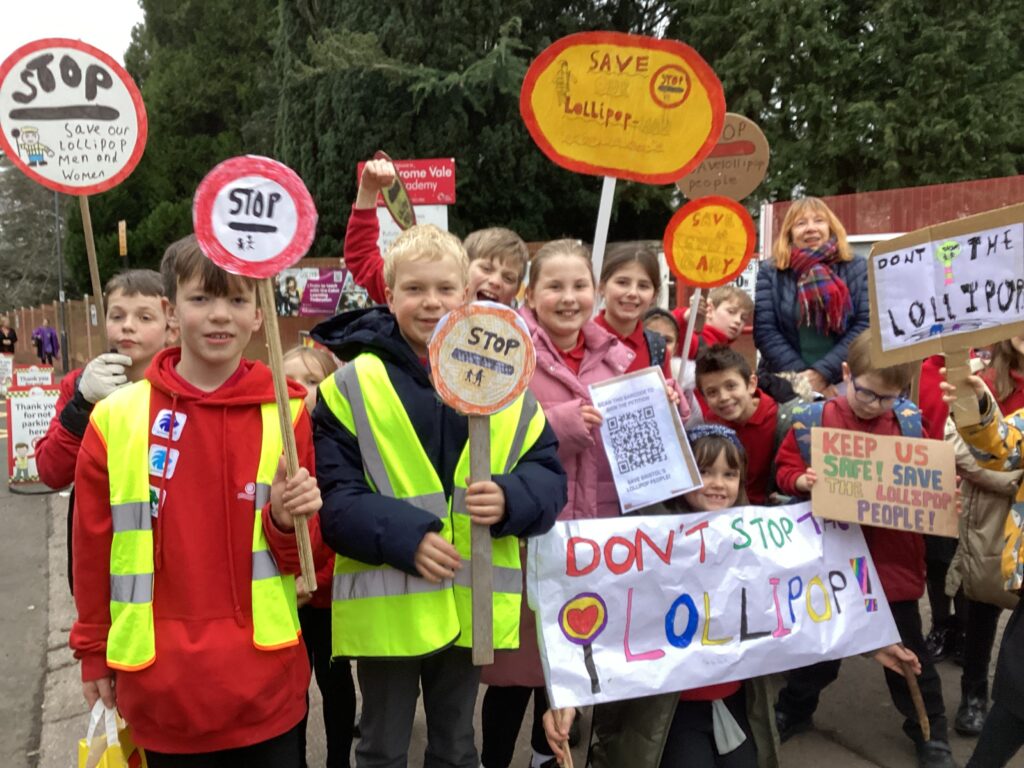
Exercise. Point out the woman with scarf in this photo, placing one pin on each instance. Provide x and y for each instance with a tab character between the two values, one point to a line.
812	297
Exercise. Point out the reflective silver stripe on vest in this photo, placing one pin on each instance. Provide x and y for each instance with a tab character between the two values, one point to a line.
262	495
133	588
385	582
525	417
373	463
133	516
505	579
263	566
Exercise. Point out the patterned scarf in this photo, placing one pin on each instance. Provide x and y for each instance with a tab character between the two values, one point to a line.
822	296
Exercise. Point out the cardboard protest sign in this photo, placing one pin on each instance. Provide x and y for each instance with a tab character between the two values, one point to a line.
708	242
737	163
632	107
253	216
29	411
32	375
643	437
904	483
71	118
633	606
481	360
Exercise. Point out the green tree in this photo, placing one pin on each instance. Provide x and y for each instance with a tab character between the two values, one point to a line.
859	96
429	79
205	68
28	240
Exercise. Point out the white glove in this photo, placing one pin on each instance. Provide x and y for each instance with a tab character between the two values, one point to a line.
103	375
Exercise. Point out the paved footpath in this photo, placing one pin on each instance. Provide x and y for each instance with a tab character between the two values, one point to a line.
43	712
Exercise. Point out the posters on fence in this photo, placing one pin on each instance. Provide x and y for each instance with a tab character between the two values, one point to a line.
948	287
316	291
633	606
32	375
29	411
644	440
892	482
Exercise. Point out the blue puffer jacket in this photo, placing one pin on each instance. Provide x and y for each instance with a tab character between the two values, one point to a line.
776	315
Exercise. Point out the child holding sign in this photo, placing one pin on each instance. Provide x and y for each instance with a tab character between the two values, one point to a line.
874	402
996	443
402	570
497	256
184	544
136	329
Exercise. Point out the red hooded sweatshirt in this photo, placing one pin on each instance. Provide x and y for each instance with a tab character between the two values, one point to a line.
209	688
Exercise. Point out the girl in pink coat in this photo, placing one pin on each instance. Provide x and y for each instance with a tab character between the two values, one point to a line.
572	353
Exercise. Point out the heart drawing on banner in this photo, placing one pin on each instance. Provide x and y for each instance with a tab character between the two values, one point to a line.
582	620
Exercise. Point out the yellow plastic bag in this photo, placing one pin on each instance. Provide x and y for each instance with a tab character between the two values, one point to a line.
114	748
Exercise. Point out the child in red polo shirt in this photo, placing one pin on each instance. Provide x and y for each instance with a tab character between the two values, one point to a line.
730	396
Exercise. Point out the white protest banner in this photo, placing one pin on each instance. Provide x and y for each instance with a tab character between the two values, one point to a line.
29	411
6	372
32	375
634	606
643	437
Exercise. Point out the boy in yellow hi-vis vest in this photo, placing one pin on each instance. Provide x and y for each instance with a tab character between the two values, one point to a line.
184	551
393	467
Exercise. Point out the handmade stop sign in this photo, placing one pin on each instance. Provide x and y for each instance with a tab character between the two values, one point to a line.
482	359
253	216
71	118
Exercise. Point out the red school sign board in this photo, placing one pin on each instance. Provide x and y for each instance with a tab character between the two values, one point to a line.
428	182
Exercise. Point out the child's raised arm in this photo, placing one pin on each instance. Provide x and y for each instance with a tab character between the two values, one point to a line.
996	441
362	256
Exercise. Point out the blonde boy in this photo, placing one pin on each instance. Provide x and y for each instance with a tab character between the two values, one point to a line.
393	469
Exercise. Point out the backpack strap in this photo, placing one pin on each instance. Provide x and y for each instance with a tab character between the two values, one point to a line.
805	417
656	347
909	417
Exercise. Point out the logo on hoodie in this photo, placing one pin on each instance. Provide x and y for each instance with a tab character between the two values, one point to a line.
162	462
163	427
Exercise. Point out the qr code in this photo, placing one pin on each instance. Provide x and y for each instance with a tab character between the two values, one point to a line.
636	440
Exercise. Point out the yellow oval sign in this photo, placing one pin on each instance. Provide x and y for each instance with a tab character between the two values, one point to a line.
709	241
633	107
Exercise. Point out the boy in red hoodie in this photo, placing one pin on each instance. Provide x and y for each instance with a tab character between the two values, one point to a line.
730	396
729	310
183	539
874	402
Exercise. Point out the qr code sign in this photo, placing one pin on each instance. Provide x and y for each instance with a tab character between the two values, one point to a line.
636	440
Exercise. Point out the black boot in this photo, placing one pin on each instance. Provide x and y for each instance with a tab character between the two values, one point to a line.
939	644
970	715
935	754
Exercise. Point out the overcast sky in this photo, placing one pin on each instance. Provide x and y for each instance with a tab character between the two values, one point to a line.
105	24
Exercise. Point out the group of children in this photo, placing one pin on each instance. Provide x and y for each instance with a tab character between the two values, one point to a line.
190	619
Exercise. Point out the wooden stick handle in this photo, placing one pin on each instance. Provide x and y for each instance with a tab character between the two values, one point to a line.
94	269
567	763
284	413
965	410
691	324
481	570
915	696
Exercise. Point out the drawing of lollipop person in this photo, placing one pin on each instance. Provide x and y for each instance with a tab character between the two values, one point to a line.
563	80
28	142
582	619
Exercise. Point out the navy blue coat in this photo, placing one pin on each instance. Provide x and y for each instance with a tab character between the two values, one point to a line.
358	522
776	315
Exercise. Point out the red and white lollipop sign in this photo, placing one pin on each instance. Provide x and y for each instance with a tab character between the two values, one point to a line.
71	117
253	216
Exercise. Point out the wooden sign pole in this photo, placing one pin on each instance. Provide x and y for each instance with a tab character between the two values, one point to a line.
94	270
482	572
915	696
604	217
958	367
691	324
266	293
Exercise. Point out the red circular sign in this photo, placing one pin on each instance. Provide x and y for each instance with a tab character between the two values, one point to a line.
71	117
253	216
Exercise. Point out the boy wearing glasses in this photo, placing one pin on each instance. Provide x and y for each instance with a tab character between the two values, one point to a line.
874	401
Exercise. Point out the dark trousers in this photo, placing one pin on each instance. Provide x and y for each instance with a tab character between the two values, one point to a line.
1001	738
279	752
947	613
982	620
390	688
799	698
334	679
501	719
691	737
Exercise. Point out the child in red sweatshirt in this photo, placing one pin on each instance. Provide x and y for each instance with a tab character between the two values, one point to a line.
183	539
874	402
729	310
